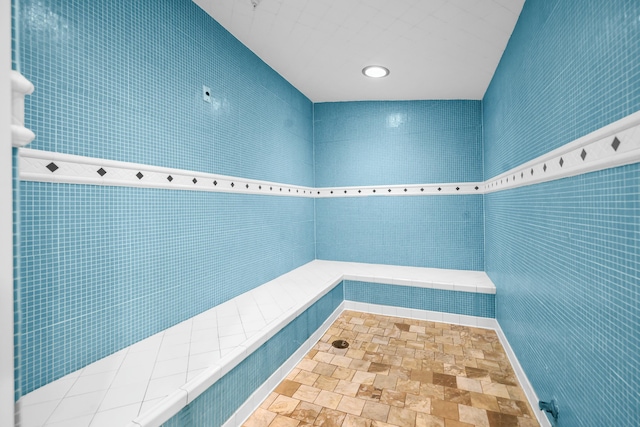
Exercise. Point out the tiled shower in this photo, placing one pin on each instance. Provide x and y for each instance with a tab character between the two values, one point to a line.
101	267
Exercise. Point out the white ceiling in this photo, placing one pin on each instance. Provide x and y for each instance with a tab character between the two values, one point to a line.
435	49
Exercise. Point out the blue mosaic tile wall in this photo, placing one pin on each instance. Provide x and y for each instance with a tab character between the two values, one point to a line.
16	273
397	142
220	401
456	302
103	267
564	258
564	255
571	67
420	231
123	81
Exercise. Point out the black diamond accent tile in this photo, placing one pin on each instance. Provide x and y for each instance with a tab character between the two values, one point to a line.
169	178
232	184
583	154
359	191
215	182
195	181
270	188
422	189
331	191
457	188
318	192
247	186
297	191
476	187
289	190
521	174
101	172
259	187
405	190
389	190
561	161
52	167
280	189
531	171
615	144
374	191
345	191
544	168
439	188
139	175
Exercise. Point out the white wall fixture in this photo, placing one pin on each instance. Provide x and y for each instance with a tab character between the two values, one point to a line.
20	87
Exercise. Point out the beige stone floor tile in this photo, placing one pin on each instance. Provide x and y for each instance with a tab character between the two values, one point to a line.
495	389
307	378
306	393
456	395
283	405
375	411
269	400
484	401
351	405
287	387
455	423
475	416
408	386
381	424
385	381
330	418
402	417
364	377
369	392
469	384
426	420
343	374
444	409
260	418
347	388
282	421
307	364
328	399
354	421
393	398
324	369
326	383
293	373
399	373
306	412
417	403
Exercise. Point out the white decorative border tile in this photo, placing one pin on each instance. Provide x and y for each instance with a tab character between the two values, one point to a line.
616	144
45	166
401	190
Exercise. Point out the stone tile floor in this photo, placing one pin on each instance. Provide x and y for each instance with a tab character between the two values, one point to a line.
399	372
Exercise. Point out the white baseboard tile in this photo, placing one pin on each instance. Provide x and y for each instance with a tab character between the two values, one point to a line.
254	401
532	397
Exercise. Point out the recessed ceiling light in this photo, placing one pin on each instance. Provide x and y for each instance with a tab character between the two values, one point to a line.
375	71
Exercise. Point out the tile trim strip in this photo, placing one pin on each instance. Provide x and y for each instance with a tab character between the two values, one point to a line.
46	166
616	144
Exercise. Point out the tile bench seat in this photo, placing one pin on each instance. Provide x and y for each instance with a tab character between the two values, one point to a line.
148	382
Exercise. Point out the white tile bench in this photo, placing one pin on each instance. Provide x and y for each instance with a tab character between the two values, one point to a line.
148	382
